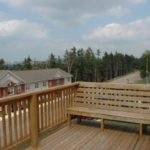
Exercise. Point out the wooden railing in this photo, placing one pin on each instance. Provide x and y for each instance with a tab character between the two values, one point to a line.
25	116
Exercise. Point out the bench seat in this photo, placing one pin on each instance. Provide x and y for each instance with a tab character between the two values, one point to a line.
107	101
110	114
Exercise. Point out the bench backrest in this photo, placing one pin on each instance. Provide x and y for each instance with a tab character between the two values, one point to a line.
123	97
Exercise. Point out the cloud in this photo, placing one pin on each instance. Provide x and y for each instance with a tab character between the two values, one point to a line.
13	2
118	11
8	28
137	1
20	38
130	31
22	29
74	11
132	36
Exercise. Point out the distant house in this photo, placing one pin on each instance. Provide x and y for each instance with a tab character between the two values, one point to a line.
16	82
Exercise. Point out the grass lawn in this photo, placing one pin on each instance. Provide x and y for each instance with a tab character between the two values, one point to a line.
142	81
117	125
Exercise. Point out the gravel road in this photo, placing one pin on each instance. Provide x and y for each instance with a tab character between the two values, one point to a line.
130	78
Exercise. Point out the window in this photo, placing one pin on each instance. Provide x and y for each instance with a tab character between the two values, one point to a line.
44	83
27	87
10	90
18	89
57	82
68	79
36	85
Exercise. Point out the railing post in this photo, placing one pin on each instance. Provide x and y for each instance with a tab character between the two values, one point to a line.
34	120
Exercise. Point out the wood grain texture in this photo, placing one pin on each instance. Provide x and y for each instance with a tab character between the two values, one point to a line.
80	137
24	117
124	102
15	123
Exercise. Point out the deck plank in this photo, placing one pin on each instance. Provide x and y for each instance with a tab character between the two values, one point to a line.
83	137
143	143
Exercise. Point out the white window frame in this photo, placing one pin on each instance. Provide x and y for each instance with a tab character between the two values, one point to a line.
44	83
36	85
18	88
10	90
27	87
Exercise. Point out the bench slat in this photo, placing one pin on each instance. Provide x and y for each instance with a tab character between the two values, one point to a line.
114	92
108	101
140	87
115	97
111	115
110	107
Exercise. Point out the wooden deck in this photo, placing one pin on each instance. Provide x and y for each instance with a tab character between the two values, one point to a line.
83	137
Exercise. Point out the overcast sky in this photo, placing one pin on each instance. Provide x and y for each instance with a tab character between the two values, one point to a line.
40	27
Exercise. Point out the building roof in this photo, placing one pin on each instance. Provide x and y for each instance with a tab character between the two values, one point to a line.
3	73
30	76
7	76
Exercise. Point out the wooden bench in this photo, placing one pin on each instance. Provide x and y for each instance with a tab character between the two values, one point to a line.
120	102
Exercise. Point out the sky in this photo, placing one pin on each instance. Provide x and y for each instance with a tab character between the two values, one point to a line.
38	28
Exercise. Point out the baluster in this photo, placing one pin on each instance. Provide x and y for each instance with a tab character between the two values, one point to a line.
10	123
4	126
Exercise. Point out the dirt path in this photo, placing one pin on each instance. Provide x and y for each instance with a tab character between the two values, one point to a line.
130	78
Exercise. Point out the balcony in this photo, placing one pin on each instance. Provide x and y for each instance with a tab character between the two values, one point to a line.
38	119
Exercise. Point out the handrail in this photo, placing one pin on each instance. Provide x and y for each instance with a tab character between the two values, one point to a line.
39	91
25	116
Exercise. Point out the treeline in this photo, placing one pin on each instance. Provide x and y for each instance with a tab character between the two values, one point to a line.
83	64
145	66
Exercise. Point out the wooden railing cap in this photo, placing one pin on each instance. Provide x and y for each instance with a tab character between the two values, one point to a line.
38	92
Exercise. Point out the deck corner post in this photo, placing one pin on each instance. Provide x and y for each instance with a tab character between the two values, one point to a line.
69	120
34	120
141	130
102	124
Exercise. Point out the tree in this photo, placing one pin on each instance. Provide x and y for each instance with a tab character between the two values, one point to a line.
99	73
89	74
51	62
106	65
39	65
86	64
27	63
145	65
80	65
69	59
2	64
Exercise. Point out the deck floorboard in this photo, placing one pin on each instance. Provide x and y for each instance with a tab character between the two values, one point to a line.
82	137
